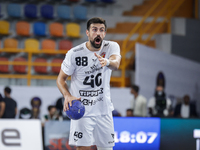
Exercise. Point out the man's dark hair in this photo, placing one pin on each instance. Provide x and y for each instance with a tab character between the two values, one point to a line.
129	109
96	20
35	99
50	107
135	88
7	90
160	79
59	105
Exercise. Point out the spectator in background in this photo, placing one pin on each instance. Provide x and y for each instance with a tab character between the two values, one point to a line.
138	103
185	109
36	102
8	105
159	105
53	113
129	113
35	113
59	106
25	113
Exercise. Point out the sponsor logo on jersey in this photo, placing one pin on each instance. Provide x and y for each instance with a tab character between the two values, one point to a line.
78	49
94	68
110	142
113	135
77	135
94	60
88	102
92	93
106	44
103	54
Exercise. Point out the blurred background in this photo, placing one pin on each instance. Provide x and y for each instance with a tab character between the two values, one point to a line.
155	92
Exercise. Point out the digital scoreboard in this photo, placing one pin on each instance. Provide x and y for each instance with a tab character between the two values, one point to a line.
137	133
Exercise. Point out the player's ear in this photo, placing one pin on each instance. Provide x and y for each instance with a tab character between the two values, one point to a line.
87	32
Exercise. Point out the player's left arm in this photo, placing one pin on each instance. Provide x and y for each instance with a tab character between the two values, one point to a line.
112	63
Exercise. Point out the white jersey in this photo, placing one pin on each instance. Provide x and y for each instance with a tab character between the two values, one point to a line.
89	80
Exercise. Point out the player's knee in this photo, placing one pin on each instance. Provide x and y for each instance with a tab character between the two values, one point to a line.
101	148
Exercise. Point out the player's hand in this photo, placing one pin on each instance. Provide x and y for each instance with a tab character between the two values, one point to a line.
68	100
102	60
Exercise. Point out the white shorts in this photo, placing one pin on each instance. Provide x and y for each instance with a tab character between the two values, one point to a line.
89	131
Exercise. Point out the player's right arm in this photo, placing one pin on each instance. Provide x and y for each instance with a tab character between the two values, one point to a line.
2	106
62	86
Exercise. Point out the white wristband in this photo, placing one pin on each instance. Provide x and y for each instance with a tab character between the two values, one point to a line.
108	62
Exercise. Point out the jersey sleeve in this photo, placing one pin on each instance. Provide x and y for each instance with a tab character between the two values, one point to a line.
67	64
114	49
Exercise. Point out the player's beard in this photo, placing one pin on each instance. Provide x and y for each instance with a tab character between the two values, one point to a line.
94	44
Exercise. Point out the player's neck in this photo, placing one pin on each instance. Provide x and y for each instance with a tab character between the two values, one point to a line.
7	95
90	47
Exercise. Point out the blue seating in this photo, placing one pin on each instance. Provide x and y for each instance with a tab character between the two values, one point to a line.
14	10
47	11
64	11
80	12
30	11
39	29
